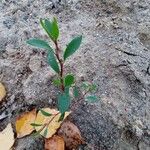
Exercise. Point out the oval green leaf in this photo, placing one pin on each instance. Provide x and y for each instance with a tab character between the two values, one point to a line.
72	47
55	29
61	118
45	113
57	82
39	43
93	87
52	61
51	28
35	125
63	102
91	98
47	27
69	80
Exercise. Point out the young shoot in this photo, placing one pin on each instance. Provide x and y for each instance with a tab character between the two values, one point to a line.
56	62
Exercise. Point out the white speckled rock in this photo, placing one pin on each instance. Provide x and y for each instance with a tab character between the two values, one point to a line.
35	63
115	54
38	87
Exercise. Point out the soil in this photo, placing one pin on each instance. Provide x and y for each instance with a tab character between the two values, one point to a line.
115	54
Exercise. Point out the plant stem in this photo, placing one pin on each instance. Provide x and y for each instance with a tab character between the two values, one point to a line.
61	65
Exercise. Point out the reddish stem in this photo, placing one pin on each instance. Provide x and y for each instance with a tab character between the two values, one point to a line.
61	65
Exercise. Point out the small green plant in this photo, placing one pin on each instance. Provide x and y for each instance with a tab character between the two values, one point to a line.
56	58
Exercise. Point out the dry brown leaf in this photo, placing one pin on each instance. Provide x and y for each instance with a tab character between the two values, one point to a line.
2	91
55	143
53	126
7	138
71	134
23	123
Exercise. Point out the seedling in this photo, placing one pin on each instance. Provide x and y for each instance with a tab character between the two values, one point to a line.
56	62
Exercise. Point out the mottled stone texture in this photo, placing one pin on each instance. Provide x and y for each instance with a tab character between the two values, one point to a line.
115	54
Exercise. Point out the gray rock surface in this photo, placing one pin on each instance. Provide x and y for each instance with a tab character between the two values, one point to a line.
115	54
38	87
30	143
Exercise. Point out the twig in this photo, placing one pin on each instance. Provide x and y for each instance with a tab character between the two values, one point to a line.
61	65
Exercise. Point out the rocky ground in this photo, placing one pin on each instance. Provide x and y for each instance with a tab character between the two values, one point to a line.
115	54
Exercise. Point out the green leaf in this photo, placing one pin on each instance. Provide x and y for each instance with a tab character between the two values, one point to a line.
45	132
63	102
61	118
57	82
91	98
38	43
53	62
92	87
75	92
51	28
55	29
89	86
36	134
46	26
69	80
72	47
51	57
35	125
45	113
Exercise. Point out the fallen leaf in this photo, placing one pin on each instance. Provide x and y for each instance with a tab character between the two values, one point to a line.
52	122
2	91
55	143
23	123
7	138
71	135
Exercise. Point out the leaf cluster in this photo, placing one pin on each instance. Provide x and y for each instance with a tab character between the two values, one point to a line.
57	62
